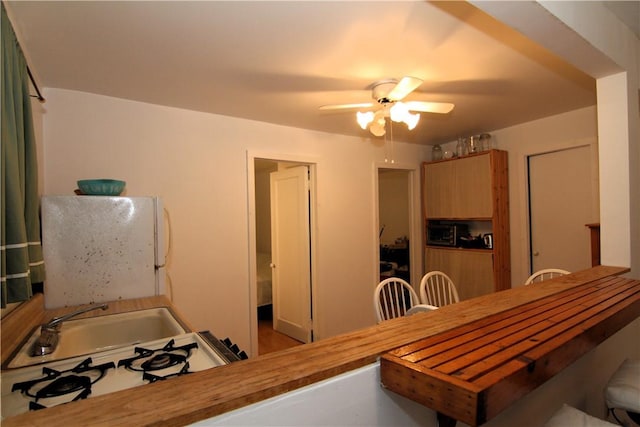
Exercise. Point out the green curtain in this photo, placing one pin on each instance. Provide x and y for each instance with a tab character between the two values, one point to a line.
21	249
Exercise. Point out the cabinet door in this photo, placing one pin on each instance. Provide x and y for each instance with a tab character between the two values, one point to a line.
472	195
459	188
471	271
438	184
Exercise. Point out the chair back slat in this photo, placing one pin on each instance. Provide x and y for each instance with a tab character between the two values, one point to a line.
393	297
437	289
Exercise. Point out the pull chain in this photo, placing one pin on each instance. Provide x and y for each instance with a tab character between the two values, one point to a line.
386	147
391	131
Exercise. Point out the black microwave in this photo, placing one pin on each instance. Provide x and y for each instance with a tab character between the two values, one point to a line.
446	234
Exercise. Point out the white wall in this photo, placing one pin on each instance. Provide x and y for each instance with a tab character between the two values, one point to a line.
198	164
355	398
38	109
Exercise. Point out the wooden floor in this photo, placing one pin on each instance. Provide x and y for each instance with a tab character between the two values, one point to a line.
270	340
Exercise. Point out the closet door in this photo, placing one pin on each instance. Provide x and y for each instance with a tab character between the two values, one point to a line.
560	206
290	251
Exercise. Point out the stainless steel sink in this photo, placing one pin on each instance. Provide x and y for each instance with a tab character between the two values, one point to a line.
96	334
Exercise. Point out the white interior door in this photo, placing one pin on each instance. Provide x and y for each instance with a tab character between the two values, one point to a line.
290	252
561	193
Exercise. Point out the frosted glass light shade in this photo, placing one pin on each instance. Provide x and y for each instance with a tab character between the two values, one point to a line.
379	117
377	121
377	128
364	118
398	112
411	120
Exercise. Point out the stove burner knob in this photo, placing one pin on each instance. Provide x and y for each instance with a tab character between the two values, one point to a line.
235	349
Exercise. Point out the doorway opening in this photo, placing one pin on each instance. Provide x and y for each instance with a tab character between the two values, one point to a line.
284	211
394	223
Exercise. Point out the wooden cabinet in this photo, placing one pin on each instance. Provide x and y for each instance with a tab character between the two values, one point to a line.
471	190
459	188
471	270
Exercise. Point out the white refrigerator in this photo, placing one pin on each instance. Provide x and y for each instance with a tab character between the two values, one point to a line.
99	249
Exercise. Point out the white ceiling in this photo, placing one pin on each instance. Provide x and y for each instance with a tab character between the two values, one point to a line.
278	62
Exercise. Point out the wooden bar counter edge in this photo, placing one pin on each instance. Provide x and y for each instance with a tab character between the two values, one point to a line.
201	395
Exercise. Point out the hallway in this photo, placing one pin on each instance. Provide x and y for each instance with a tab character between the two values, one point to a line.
270	340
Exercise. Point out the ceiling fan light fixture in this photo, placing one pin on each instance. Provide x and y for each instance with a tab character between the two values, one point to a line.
377	128
379	116
377	121
412	120
398	112
388	95
364	118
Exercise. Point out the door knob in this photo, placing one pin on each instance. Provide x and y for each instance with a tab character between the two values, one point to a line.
272	265
536	253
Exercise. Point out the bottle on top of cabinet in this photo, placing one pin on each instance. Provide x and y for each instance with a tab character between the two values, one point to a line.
474	145
462	148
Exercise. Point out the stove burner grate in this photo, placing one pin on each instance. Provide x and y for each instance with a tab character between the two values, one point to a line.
35	406
58	383
152	378
64	385
148	360
162	360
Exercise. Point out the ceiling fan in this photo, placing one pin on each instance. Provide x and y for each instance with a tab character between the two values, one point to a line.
388	95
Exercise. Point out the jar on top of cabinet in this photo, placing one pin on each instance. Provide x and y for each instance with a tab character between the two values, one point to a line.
486	143
436	152
474	145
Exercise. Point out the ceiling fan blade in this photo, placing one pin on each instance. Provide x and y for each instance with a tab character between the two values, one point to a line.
429	107
404	87
347	106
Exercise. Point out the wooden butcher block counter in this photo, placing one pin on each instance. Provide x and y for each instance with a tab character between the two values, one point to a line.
201	395
474	371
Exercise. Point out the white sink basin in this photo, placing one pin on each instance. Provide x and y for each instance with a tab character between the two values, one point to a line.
95	334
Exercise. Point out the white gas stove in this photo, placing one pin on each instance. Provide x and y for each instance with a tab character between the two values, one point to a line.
55	383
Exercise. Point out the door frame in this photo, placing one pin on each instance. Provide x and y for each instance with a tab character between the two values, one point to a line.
312	163
415	224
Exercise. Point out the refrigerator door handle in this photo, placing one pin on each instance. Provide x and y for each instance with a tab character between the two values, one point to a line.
160	258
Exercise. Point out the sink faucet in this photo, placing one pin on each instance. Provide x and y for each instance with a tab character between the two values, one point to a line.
49	332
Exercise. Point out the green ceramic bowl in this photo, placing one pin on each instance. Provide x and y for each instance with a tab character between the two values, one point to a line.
101	187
